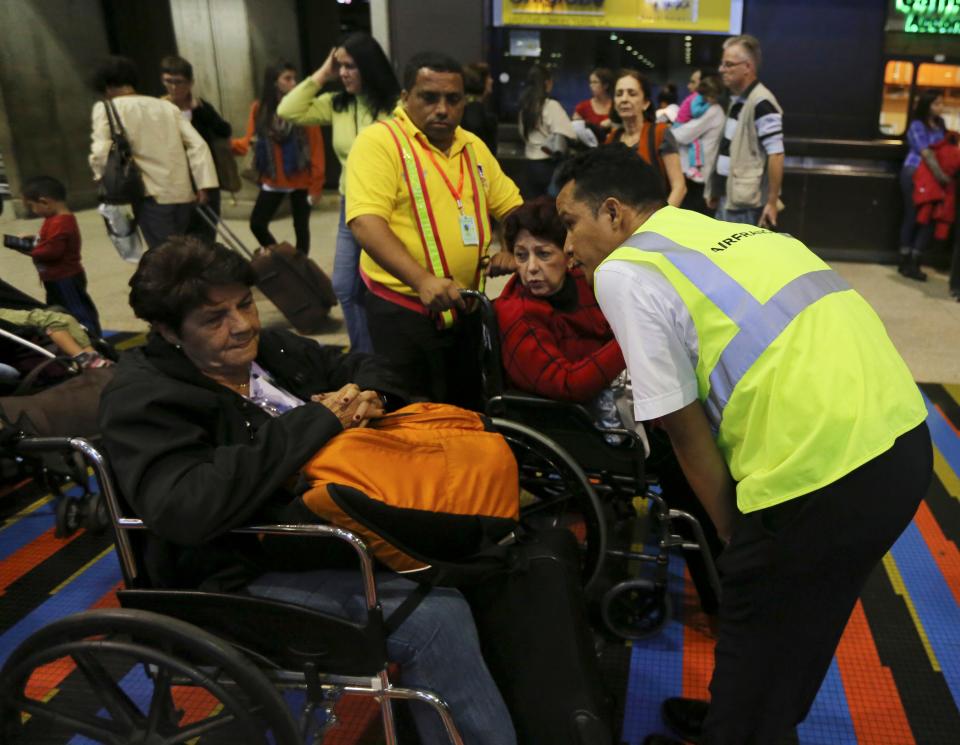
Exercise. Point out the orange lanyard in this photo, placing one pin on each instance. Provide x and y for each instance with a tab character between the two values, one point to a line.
456	193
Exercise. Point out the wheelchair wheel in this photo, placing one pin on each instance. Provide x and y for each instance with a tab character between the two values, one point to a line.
636	609
119	676
69	516
557	494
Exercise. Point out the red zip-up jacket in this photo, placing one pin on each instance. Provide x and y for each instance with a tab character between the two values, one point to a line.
56	253
563	350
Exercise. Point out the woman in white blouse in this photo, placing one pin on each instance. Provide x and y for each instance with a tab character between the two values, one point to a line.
546	131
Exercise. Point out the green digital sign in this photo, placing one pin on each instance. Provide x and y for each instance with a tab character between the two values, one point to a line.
929	16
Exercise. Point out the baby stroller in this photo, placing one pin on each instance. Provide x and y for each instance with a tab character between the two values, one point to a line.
43	392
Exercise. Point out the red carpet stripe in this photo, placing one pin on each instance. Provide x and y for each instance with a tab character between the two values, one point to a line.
45	679
944	551
872	698
32	555
699	640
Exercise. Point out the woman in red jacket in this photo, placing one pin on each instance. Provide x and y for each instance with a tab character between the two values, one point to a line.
556	342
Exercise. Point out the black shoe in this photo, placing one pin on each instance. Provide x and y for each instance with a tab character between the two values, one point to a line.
910	268
660	740
685	716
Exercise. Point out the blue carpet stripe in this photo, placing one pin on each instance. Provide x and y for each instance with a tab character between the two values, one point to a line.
73	598
943	435
829	722
21	533
25	530
656	670
931	596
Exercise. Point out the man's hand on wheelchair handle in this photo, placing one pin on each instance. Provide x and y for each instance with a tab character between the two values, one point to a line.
440	293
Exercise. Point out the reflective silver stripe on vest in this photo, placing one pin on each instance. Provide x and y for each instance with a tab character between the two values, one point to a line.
759	324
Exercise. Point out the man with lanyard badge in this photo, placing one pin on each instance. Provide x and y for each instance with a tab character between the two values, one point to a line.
420	192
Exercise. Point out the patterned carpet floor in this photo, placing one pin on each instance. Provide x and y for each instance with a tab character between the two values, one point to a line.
895	679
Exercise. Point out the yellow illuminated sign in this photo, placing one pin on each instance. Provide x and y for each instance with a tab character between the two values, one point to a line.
640	15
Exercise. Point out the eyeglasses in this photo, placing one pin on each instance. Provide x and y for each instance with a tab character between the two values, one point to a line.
727	65
174	81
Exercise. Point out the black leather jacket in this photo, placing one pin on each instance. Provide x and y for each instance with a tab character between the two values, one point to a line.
194	459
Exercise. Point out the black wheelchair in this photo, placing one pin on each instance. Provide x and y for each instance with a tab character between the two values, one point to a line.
576	476
195	667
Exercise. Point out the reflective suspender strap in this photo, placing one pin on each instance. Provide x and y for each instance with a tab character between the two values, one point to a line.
413	175
481	210
759	324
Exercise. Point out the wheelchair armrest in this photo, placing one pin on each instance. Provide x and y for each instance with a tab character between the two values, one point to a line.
497	407
122	523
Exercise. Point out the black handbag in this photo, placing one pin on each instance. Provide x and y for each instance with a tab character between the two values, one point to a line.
121	182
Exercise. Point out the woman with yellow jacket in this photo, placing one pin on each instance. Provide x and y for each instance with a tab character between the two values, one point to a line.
370	92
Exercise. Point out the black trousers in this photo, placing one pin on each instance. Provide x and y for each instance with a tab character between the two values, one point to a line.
159	221
439	365
266	207
791	576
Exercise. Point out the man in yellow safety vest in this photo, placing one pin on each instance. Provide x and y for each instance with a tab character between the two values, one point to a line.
793	417
420	192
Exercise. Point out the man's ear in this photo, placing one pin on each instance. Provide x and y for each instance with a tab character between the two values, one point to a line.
612	209
403	95
168	334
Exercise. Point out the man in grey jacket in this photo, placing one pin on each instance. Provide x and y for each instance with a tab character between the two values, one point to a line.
745	186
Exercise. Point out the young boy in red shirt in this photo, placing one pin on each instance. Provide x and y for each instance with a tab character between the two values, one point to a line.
56	251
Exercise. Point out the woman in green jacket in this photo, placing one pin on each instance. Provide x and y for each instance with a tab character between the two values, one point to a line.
370	92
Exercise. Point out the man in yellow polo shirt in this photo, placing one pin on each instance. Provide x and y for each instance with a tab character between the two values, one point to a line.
420	192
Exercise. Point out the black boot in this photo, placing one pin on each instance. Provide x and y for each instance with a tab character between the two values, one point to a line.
910	267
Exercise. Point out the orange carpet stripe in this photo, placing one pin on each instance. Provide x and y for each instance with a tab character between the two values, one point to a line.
698	643
30	556
45	680
873	701
943	550
196	703
11	488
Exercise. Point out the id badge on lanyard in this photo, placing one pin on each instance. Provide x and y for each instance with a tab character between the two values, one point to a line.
468	230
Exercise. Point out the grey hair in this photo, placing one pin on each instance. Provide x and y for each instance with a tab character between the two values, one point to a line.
750	45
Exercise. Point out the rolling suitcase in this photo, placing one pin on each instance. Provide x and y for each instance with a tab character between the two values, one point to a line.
537	642
290	280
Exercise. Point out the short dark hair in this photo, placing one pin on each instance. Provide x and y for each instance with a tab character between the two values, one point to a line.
475	78
668	94
613	171
40	187
436	61
175	278
607	79
114	72
174	65
540	217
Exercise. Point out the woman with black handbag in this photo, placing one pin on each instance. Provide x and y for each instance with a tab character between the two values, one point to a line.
173	160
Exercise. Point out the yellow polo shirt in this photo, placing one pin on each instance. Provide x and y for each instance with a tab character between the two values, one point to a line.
376	186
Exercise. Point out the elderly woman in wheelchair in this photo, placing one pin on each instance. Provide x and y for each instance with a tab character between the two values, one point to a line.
555	343
207	428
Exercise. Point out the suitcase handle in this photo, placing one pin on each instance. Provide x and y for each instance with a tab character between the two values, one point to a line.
221	228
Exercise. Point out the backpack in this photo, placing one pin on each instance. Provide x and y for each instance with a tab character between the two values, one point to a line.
431	489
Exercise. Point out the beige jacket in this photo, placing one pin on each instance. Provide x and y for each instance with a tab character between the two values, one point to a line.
166	148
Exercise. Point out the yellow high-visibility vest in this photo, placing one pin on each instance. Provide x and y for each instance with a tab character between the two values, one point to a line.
795	370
